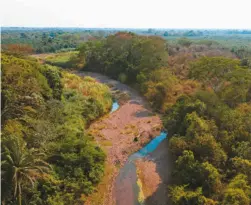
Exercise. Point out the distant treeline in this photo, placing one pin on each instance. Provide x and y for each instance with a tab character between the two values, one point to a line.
44	40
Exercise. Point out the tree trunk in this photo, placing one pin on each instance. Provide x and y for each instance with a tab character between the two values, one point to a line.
19	195
19	199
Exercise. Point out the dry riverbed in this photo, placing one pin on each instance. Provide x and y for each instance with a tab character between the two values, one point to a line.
120	134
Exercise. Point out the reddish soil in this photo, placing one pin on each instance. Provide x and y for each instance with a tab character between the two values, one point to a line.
119	129
148	176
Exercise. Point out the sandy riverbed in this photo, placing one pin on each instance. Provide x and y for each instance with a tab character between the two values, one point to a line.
116	133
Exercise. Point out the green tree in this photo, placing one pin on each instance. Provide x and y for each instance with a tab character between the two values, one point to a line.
180	195
196	126
184	42
213	70
238	191
206	148
235	197
22	165
211	179
243	166
187	169
177	145
160	87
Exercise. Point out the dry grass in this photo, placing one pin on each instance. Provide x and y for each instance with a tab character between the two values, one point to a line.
88	87
130	129
106	143
103	189
100	126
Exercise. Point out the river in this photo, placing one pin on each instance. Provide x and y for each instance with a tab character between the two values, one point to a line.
127	173
118	132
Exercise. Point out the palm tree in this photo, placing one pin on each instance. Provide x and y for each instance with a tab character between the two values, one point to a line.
24	165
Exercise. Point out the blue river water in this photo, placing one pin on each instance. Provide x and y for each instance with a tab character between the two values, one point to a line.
148	148
115	106
151	146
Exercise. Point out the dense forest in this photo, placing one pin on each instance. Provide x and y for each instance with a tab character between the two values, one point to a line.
47	155
200	86
205	100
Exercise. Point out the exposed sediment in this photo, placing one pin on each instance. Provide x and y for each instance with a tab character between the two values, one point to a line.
120	134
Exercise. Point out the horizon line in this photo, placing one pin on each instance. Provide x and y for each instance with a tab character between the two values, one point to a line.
82	27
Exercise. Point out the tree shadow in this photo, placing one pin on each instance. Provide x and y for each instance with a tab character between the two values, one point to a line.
143	113
135	102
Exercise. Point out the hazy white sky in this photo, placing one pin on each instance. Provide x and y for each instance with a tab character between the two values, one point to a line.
127	13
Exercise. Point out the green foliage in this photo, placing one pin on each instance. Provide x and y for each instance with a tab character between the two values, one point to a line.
242	149
53	76
207	149
209	132
21	166
196	126
64	59
122	78
212	71
184	42
174	116
48	40
80	164
179	196
205	105
242	166
187	168
177	145
237	191
235	197
12	68
212	183
47	111
159	87
124	54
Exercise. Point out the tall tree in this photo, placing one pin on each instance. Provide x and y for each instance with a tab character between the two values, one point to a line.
21	165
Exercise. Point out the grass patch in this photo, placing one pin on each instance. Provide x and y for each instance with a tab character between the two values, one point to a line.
130	129
61	59
106	143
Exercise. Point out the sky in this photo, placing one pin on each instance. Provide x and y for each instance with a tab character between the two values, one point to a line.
127	13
